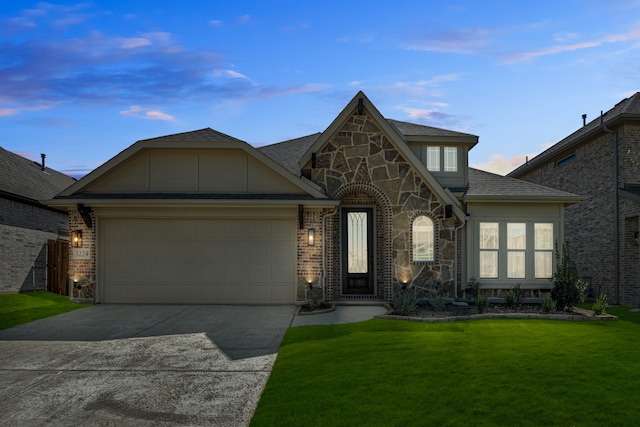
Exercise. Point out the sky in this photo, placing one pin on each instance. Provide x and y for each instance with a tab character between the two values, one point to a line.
81	82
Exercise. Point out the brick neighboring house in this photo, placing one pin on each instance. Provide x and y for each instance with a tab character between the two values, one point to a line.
597	160
25	223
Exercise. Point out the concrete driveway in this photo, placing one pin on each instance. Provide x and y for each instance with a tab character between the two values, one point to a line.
140	365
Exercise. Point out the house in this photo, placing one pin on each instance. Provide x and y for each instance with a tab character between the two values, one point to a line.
25	223
600	160
366	205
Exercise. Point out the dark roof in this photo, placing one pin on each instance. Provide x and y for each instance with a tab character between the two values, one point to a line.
413	129
487	185
205	135
627	108
288	153
188	196
25	178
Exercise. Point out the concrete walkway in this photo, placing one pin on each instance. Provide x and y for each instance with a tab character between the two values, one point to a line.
147	365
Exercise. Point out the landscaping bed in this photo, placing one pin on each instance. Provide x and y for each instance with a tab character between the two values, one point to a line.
451	312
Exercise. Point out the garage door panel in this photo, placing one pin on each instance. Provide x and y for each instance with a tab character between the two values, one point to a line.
190	260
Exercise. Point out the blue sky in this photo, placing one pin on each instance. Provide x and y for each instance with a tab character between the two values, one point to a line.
83	81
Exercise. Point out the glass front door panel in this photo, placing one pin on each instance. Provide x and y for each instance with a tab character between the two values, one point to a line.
357	242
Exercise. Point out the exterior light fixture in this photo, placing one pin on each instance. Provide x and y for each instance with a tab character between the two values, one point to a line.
311	237
76	239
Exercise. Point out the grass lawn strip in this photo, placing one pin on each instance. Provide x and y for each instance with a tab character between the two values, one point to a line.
17	309
484	372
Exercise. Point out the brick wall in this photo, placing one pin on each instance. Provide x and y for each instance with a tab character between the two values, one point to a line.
24	231
590	224
83	271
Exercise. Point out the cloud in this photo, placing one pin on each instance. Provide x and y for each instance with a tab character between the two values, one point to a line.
466	40
215	23
146	113
500	164
7	112
631	35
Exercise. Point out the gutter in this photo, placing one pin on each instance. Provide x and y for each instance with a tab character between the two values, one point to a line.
616	208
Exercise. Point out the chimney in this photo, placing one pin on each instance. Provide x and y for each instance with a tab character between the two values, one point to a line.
584	120
42	165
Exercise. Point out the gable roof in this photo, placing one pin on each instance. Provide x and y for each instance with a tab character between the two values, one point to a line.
202	138
395	137
628	108
25	178
423	133
486	186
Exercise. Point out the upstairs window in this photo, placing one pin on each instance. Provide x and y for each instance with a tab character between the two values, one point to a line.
423	239
441	159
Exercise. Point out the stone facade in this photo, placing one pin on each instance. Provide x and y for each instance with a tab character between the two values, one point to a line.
361	167
24	231
590	224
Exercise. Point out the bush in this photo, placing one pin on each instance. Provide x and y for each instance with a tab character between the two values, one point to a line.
405	300
568	289
481	303
510	298
548	305
600	306
437	302
315	297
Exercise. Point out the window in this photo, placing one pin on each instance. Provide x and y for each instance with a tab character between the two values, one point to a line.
450	159
566	160
423	239
438	159
489	246
433	159
543	251
515	250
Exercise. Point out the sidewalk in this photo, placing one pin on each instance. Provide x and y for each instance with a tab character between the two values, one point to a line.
342	314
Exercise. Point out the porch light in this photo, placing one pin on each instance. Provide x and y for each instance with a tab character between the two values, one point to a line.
76	239
311	237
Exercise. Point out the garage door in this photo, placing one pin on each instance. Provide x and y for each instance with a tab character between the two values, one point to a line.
206	261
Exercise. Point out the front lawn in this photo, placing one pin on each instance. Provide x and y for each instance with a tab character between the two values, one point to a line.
16	309
493	372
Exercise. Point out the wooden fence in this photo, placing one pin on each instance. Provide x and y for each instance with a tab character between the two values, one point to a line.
58	266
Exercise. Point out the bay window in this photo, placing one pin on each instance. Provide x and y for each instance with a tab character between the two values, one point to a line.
515	251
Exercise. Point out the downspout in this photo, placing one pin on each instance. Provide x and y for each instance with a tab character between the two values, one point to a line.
323	277
455	258
616	250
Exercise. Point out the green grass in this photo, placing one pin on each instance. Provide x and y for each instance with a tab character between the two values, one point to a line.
494	372
17	309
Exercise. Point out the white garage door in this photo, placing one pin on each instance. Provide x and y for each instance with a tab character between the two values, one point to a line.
205	261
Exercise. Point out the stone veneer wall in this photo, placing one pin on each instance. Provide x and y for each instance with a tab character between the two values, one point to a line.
359	165
83	270
590	224
24	231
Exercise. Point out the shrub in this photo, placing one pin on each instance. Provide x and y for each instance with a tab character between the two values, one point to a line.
600	306
548	305
405	300
481	303
471	291
315	297
510	298
437	302
568	289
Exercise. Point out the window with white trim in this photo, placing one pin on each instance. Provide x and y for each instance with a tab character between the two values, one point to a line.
543	250
423	239
489	247
436	158
515	250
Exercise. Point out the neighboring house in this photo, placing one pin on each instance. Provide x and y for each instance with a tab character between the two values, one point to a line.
369	204
25	223
600	160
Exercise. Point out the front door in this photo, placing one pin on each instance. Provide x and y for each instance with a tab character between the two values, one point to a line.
357	251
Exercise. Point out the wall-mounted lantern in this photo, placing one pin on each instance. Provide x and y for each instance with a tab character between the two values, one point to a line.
311	237
76	239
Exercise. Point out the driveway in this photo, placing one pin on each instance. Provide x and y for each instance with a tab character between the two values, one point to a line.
140	365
